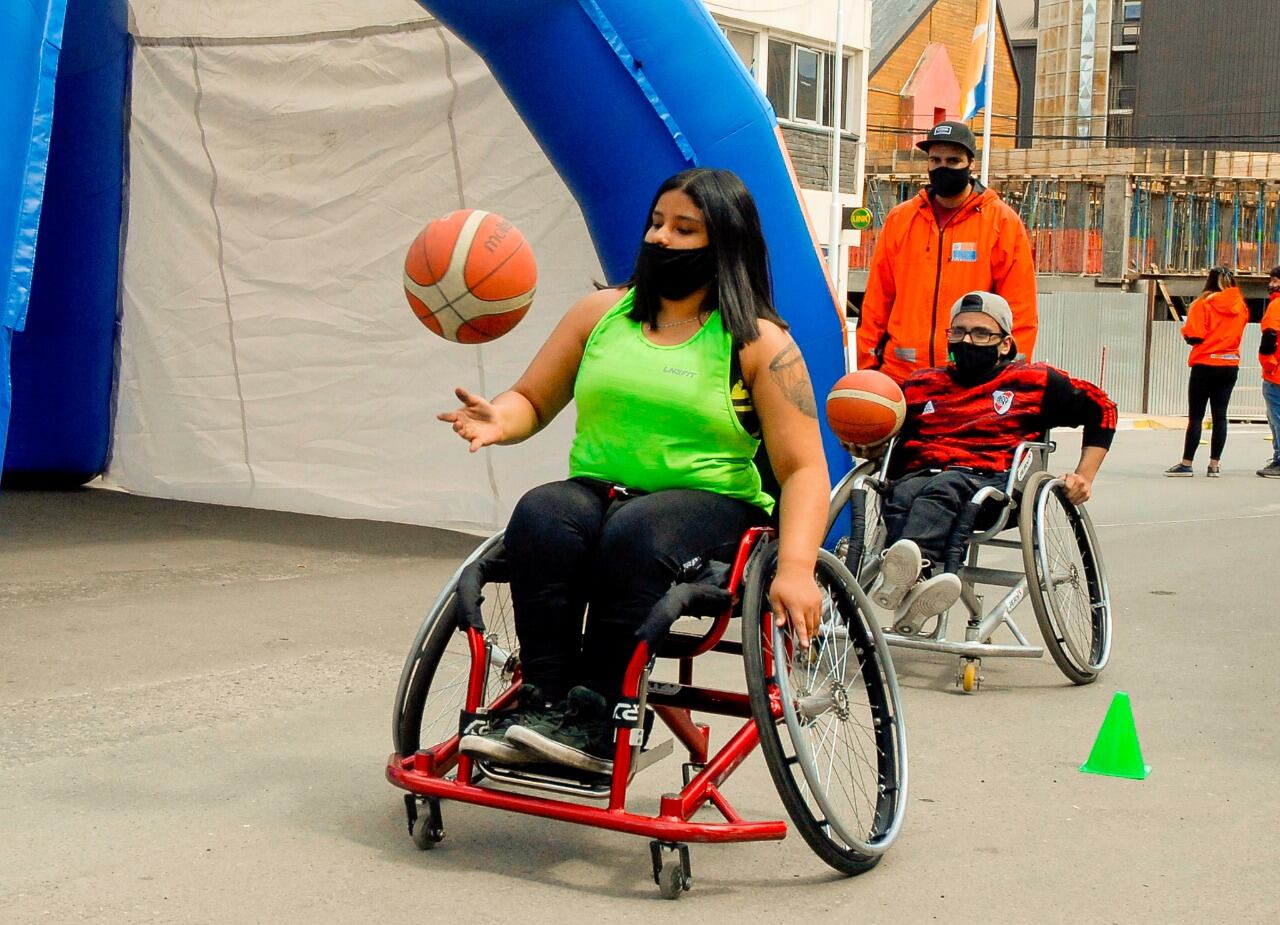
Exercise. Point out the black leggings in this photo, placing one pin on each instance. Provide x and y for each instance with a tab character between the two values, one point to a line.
570	547
1211	385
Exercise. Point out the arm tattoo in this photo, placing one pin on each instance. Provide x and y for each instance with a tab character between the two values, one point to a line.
792	376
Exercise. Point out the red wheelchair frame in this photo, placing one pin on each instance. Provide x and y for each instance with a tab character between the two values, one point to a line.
440	771
424	773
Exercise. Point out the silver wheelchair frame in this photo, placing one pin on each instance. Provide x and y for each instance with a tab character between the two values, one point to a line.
1028	483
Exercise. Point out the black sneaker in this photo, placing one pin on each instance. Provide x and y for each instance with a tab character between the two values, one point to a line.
582	738
1270	471
493	746
1179	471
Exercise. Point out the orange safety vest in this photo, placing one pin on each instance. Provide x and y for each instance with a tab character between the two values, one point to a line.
1271	322
1216	320
918	271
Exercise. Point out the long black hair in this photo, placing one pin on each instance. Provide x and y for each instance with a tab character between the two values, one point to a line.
741	289
1219	278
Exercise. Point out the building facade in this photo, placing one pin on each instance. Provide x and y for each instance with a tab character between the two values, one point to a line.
919	54
1211	77
789	50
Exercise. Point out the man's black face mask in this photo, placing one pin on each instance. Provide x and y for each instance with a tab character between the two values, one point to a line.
949	181
974	363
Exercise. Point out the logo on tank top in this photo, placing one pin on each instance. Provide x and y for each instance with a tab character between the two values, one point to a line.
1003	401
675	371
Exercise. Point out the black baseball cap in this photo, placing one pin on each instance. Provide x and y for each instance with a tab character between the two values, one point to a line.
954	133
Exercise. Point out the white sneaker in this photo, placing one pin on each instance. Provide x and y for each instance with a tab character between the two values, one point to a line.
925	600
899	571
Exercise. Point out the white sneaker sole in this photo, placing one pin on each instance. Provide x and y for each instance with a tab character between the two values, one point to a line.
545	749
931	601
495	751
899	571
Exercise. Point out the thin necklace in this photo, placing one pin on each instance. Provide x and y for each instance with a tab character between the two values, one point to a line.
676	324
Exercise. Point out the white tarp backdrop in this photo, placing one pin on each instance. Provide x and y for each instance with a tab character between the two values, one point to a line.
268	358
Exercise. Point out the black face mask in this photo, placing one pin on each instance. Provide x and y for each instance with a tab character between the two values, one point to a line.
676	272
949	181
973	363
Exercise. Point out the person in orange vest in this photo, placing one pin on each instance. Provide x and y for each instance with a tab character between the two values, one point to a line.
956	236
1214	328
1269	360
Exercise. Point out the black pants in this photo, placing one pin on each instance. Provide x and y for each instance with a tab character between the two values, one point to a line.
1211	385
925	507
570	547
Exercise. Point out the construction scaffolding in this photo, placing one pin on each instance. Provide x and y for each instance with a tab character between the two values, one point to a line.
1166	222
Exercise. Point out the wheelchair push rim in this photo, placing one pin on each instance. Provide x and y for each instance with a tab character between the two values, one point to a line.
861	546
433	685
1067	580
830	720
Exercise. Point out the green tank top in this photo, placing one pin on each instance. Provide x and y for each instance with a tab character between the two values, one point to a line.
652	417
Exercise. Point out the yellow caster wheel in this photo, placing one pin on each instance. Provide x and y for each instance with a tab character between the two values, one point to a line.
969	679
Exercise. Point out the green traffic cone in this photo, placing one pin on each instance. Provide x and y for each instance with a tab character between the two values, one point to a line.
1116	752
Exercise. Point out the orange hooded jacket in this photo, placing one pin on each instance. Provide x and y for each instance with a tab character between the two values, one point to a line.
918	272
1270	362
1214	328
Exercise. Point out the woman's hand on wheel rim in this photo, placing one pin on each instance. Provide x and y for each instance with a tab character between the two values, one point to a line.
795	599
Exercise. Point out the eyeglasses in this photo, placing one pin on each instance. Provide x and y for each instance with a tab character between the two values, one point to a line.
979	337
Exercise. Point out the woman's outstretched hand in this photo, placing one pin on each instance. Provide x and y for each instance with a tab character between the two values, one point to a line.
476	421
796	600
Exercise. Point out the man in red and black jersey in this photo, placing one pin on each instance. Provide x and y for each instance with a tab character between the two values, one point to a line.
964	422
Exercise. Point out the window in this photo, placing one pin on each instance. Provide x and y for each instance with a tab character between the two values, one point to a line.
939	115
1132	10
808	84
800	86
744	43
779	88
829	92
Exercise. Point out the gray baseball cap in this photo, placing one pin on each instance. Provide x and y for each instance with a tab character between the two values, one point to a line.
989	304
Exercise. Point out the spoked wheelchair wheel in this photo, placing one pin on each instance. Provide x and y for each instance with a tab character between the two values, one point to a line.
433	685
1066	579
830	720
857	511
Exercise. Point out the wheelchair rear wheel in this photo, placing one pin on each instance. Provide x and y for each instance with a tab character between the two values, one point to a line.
830	720
433	685
1066	579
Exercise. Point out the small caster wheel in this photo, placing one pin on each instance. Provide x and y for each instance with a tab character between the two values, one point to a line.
969	679
427	827
426	836
671	869
671	879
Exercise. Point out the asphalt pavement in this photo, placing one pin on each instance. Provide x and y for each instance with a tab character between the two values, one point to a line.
195	715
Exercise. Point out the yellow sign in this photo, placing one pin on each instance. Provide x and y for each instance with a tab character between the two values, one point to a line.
860	219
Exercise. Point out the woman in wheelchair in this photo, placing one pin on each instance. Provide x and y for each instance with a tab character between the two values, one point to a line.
677	374
963	423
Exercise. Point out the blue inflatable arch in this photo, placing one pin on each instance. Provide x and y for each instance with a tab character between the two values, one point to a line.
620	94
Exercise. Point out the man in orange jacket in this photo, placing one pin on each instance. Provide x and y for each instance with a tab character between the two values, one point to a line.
1269	360
955	237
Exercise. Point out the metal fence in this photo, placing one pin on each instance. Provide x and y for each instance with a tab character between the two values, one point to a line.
1170	373
1102	337
1098	336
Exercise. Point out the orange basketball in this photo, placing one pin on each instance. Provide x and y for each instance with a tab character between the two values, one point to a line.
865	408
470	276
